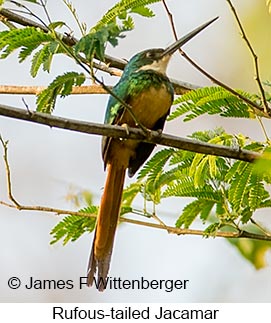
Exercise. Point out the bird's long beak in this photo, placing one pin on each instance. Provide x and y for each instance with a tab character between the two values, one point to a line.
179	43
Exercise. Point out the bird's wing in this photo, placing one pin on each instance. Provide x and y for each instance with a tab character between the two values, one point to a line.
114	112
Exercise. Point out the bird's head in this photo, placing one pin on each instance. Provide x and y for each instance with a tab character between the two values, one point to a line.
157	59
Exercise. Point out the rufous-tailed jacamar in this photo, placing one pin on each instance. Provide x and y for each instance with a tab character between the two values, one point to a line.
145	87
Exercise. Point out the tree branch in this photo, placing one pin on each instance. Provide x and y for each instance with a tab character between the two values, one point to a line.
134	133
255	57
179	86
34	90
169	229
16	205
257	108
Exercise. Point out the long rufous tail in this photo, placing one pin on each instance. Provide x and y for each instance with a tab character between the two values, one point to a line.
106	224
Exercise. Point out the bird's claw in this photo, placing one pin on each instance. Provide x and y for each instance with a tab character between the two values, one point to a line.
126	127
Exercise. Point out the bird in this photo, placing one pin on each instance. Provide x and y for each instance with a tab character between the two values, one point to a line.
146	89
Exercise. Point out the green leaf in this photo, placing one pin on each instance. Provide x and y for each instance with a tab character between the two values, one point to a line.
237	169
238	194
38	59
209	135
212	229
206	210
61	85
53	48
72	227
27	39
246	215
198	169
156	163
94	43
212	100
185	187
212	166
143	11
266	203
121	8
125	209
191	211
130	192
263	165
56	24
196	161
256	192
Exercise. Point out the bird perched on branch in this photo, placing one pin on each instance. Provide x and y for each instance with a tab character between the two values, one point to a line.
148	95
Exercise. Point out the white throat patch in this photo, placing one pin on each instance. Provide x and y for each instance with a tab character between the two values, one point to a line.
157	66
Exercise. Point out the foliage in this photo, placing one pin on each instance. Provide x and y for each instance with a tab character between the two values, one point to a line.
61	85
212	100
43	45
94	43
123	8
72	227
26	39
222	194
225	193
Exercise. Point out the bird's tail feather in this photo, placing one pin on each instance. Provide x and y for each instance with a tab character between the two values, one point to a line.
106	224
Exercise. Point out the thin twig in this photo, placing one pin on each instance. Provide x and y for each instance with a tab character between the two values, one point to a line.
5	156
255	57
169	229
34	90
161	223
263	128
260	227
43	4
16	205
105	87
31	13
112	62
254	105
153	137
75	16
179	231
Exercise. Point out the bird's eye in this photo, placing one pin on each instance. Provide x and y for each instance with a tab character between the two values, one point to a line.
150	55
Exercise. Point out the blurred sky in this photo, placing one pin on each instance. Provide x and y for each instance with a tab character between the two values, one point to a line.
47	163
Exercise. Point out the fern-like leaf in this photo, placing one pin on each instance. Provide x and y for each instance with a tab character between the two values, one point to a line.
94	43
212	100
61	85
122	7
238	189
192	210
43	57
72	227
212	229
185	187
130	192
27	39
156	163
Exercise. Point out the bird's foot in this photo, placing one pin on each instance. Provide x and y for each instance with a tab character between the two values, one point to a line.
154	133
126	127
159	131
